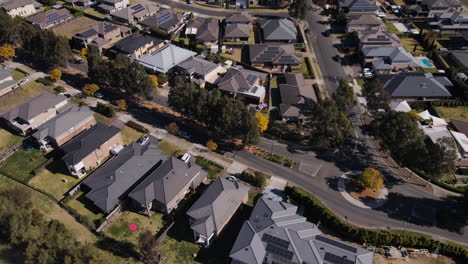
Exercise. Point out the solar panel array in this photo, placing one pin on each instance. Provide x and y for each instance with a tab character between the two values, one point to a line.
251	78
275	241
269	54
332	258
109	27
54	17
284	253
364	5
138	8
164	18
286	60
336	244
88	33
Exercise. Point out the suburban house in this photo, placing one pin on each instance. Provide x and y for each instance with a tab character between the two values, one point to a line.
167	185
278	30
88	149
364	22
164	20
358	6
63	127
101	36
213	210
387	59
112	6
450	22
111	183
244	84
81	3
237	27
462	143
134	13
275	233
7	84
436	7
34	112
203	30
199	71
377	38
137	46
459	57
434	128
165	58
20	8
274	56
417	86
461	127
400	106
297	98
50	18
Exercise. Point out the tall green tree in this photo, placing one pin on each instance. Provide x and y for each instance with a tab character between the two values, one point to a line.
441	158
377	97
344	96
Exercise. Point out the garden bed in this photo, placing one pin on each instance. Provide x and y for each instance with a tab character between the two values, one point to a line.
270	156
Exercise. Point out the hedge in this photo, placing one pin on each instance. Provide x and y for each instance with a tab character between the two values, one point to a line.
23	72
137	127
315	212
105	109
460	190
309	68
317	91
44	81
254	177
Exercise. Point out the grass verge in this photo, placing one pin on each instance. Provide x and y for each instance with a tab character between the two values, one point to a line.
170	149
130	135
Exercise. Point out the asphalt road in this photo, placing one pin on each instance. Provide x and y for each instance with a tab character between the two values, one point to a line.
210	12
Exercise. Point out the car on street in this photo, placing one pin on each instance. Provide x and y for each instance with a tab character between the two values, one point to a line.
23	81
184	134
337	58
143	140
98	95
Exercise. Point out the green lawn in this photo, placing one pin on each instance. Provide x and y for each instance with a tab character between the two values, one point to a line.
170	149
118	229
237	56
85	208
102	119
22	163
303	69
17	75
93	12
214	169
360	82
410	43
21	95
51	179
399	2
391	28
130	135
8	140
253	193
452	112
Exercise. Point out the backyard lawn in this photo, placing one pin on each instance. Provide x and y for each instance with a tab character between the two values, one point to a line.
85	208
93	12
304	70
17	75
237	56
51	179
452	112
130	135
410	43
8	140
80	24
22	163
170	149
119	228
391	28
21	95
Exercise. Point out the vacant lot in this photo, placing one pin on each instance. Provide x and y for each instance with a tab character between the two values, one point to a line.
51	179
452	112
21	164
8	140
130	135
21	95
76	26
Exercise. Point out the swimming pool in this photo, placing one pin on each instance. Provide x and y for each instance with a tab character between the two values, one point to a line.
426	63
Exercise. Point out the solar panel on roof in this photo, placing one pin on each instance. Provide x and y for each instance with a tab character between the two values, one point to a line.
332	258
284	253
251	78
336	243
275	241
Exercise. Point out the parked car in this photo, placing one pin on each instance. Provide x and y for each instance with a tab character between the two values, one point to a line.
261	107
98	95
143	140
231	178
184	134
23	81
186	157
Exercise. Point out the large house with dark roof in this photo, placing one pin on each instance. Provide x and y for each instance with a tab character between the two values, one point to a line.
199	71
358	6
88	149
363	22
34	112
275	233
135	13
378	38
7	84
274	56
203	30
164	20
278	30
417	86
215	207
101	36
167	185
246	85
297	98
112	6
50	18
20	8
137	46
58	130
237	27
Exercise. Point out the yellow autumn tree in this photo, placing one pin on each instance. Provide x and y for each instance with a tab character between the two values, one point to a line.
90	89
371	178
55	74
122	105
414	115
262	121
154	79
211	145
84	53
7	51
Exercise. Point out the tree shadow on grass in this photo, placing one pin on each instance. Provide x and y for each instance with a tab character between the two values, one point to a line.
120	248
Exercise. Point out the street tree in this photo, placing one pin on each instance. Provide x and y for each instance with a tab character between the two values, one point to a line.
344	96
371	178
7	51
154	79
441	158
172	128
377	97
55	75
262	121
122	105
341	17
211	145
90	89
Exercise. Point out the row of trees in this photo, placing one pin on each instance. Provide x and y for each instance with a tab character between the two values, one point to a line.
225	117
41	47
298	9
119	73
41	241
400	134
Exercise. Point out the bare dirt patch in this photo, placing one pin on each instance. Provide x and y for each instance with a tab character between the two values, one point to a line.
379	259
75	26
359	191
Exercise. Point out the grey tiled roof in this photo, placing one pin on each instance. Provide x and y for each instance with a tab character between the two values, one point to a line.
165	182
242	17
198	66
297	97
216	205
13	4
86	142
417	85
35	106
238	79
275	229
112	181
164	19
209	30
278	29
136	11
237	31
136	41
63	122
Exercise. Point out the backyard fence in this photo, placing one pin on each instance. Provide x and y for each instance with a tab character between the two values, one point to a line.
43	165
162	234
7	153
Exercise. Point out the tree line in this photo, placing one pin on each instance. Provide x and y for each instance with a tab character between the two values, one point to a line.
41	47
225	117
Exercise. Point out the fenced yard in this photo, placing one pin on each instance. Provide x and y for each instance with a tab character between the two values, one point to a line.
8	140
21	164
452	112
76	26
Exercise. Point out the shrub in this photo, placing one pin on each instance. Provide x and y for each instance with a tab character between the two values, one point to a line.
172	128
59	89
309	68
137	127
105	109
211	145
213	169
44	81
90	89
254	177
371	178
